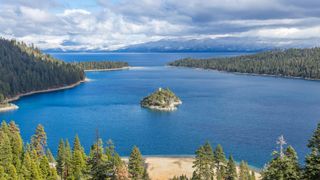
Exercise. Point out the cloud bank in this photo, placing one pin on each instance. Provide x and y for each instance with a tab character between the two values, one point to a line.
114	24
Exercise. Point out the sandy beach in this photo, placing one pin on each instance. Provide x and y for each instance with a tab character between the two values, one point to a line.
8	107
113	69
164	168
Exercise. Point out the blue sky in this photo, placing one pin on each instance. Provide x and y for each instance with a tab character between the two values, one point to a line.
112	24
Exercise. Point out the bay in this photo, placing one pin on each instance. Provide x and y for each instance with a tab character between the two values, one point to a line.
243	113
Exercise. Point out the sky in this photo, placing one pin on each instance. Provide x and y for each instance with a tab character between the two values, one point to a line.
114	24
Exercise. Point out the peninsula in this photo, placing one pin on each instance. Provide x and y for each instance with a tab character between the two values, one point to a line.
162	100
25	70
102	65
292	63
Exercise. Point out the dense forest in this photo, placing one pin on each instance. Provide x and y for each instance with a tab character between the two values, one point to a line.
101	65
24	69
304	63
34	161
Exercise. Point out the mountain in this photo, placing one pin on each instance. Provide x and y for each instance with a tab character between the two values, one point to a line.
228	44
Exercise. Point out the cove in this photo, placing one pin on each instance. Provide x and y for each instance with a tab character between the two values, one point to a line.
244	113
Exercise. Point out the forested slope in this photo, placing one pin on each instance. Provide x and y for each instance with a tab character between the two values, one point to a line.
304	63
24	69
101	65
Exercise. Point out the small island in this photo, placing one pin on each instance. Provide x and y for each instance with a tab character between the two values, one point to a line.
162	100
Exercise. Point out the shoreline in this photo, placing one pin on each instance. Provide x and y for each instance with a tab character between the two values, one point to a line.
165	167
251	74
17	97
8	107
112	69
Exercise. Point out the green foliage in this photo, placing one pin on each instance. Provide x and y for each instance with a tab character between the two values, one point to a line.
204	163
284	167
160	98
220	162
99	65
312	167
231	171
302	63
39	141
244	173
24	69
182	177
136	164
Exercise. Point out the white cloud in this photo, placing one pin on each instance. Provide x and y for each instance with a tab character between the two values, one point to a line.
114	24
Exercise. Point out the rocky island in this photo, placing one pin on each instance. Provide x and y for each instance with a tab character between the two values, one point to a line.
162	99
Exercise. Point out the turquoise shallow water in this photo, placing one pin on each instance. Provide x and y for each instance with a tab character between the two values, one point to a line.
243	113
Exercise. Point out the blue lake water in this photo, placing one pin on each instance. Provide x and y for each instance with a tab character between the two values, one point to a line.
243	113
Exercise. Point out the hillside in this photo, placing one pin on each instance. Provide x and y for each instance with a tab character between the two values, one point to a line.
303	63
24	69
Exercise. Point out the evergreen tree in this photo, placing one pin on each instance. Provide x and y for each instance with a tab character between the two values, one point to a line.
231	172
5	150
182	177
204	163
244	173
220	162
26	166
12	173
45	168
50	156
68	161
284	166
61	159
136	164
16	144
3	175
97	161
39	141
253	175
312	167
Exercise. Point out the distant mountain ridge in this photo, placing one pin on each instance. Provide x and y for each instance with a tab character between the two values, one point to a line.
230	44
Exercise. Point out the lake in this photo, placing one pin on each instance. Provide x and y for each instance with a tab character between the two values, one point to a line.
243	113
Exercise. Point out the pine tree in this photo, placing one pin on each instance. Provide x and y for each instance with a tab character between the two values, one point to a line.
39	141
68	161
283	165
244	173
182	177
253	175
61	160
220	162
78	165
136	164
5	150
3	175
231	171
12	173
50	156
204	162
312	167
45	167
16	144
26	166
97	161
